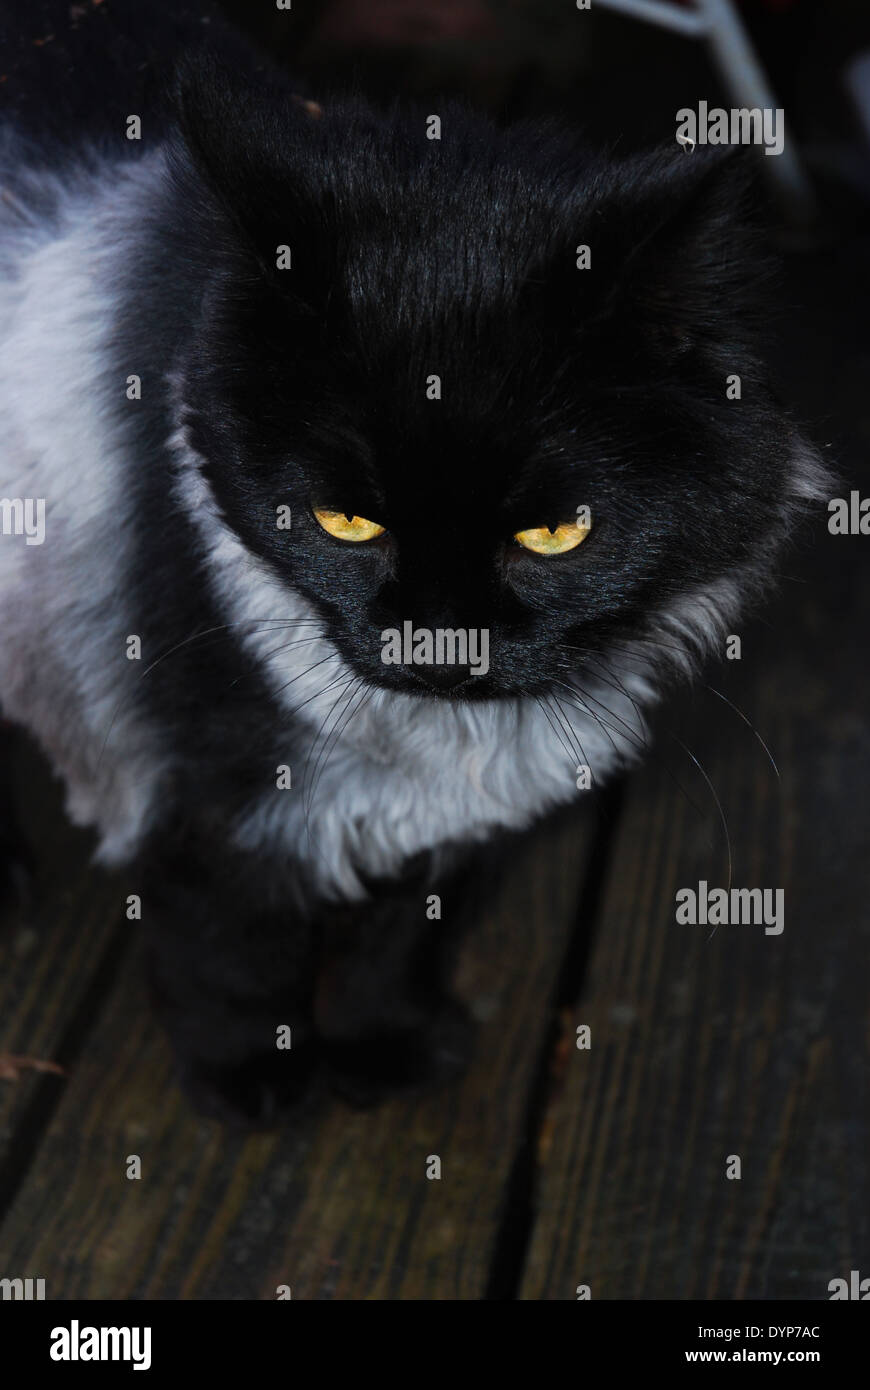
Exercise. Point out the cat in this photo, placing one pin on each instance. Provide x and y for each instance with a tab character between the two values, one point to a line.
290	377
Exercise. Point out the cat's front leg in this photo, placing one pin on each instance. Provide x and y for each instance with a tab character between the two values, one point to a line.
384	1011
232	973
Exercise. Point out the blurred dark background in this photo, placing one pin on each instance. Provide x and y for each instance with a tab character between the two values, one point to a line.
619	78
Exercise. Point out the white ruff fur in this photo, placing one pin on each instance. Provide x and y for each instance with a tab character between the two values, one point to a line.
404	774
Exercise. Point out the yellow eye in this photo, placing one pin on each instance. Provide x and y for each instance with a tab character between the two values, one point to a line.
348	528
544	541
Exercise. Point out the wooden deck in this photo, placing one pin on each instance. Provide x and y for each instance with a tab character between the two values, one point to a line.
560	1167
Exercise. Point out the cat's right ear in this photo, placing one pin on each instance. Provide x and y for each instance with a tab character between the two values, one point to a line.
245	135
682	248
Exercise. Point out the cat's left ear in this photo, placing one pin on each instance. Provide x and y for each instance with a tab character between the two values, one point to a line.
678	239
246	137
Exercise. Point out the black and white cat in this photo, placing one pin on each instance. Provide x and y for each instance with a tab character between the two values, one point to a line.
266	312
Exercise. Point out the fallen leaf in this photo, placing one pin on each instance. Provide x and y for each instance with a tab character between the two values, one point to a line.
11	1066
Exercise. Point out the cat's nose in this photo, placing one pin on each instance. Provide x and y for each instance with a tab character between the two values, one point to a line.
443	678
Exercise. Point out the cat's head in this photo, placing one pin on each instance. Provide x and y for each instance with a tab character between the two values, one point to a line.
501	385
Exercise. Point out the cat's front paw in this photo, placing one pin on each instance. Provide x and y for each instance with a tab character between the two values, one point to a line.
364	1071
256	1093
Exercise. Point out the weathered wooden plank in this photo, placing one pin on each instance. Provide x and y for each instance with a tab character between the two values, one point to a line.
54	953
734	1042
338	1207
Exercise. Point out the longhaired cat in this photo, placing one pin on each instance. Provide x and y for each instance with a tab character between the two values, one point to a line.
361	491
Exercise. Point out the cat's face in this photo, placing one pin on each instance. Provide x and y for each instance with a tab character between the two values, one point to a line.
541	451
